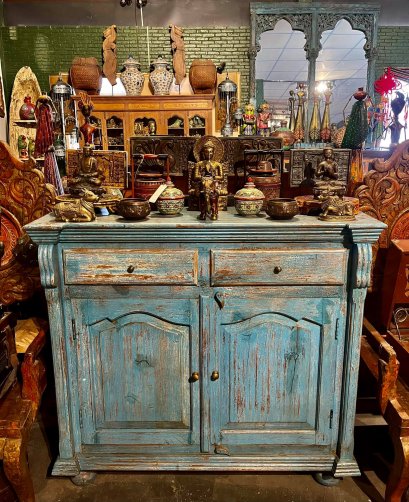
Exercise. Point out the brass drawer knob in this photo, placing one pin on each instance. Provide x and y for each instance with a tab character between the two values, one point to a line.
130	269
215	376
194	377
277	270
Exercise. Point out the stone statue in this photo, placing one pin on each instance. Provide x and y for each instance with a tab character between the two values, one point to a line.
206	180
88	176
109	54
178	51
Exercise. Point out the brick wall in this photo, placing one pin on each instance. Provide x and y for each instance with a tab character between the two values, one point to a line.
51	49
48	50
393	47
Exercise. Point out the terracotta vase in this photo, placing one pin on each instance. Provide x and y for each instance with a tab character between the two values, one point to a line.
160	77
203	76
132	78
266	178
27	109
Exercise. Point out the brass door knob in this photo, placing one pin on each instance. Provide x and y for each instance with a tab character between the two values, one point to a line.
194	377
130	269
277	270
215	376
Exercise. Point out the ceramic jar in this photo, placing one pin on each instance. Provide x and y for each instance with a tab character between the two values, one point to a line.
203	76
132	78
160	78
285	134
171	200
27	109
248	201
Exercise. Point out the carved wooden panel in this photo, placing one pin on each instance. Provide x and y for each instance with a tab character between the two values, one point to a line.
24	197
114	164
384	195
180	150
304	162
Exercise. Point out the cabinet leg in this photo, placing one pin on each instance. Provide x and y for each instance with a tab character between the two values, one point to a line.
325	478
398	480
83	478
16	469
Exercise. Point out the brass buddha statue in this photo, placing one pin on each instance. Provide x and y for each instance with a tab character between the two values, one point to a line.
326	175
88	175
207	176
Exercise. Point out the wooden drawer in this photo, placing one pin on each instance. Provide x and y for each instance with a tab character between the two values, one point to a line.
128	266
283	266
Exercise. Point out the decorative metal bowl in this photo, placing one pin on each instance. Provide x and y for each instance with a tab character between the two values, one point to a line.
282	209
133	209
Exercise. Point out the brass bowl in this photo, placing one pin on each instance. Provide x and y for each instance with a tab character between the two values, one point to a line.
133	209
282	209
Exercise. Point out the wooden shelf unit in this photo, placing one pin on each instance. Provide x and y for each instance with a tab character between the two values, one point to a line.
162	109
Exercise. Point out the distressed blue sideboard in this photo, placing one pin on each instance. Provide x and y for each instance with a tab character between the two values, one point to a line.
228	345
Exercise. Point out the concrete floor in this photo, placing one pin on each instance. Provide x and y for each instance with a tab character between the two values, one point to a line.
202	487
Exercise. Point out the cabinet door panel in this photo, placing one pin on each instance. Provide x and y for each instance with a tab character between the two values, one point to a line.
277	378
134	370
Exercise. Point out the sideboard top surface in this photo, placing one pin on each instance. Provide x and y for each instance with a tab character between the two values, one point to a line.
187	227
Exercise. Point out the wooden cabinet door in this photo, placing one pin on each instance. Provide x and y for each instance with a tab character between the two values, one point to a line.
135	358
277	365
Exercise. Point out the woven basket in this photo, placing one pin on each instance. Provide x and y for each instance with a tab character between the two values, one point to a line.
203	76
86	75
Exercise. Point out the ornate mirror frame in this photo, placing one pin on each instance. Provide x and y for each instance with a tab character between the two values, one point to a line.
313	19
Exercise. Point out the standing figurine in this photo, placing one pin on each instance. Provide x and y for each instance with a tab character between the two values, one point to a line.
87	129
207	175
263	119
178	51
248	127
109	54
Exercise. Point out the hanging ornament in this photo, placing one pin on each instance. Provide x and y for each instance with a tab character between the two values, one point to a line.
387	83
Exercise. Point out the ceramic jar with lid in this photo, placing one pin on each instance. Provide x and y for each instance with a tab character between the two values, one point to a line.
171	200
27	109
248	201
160	77
132	78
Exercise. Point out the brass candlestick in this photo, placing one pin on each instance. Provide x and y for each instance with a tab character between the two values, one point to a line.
326	123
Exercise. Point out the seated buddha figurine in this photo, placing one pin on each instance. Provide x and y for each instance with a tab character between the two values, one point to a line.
207	181
326	175
88	176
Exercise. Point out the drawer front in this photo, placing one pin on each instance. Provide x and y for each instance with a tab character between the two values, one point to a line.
284	267
127	266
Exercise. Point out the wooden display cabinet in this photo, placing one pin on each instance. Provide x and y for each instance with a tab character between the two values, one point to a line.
120	117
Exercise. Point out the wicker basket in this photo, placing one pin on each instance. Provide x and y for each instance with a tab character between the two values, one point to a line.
86	75
203	76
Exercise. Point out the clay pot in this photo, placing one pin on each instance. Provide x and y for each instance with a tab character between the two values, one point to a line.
286	135
267	179
86	75
203	76
27	109
360	94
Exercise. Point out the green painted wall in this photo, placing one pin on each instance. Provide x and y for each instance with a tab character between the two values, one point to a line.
393	47
48	50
